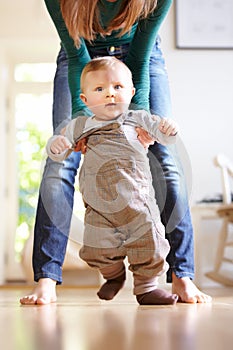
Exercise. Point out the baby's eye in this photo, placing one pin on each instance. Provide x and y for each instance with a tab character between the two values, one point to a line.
117	87
99	88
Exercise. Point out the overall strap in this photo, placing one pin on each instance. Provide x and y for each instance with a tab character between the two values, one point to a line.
79	127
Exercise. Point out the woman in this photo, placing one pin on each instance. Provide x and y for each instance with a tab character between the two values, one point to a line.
128	30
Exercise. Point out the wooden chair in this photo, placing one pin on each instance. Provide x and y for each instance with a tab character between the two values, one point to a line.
225	211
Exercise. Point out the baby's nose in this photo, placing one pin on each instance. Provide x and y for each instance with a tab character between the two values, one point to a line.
110	92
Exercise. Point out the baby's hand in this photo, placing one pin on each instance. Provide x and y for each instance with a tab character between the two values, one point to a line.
60	144
168	127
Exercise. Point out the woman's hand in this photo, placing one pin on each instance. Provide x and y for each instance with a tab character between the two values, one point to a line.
145	138
81	145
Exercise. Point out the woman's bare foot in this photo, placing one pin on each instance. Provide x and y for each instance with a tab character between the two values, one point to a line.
187	291
43	293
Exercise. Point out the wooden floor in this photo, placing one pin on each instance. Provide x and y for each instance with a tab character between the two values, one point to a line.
80	321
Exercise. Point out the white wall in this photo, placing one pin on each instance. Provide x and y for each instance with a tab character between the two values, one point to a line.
201	84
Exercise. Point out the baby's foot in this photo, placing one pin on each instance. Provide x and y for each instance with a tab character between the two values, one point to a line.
43	293
157	297
110	288
187	291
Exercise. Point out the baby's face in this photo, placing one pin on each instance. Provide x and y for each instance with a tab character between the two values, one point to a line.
108	92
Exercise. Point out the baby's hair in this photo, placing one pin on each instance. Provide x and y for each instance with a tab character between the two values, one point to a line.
102	63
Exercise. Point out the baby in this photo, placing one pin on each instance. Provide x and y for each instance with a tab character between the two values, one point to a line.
122	217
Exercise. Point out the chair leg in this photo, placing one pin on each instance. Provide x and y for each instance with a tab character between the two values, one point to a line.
216	275
219	278
222	240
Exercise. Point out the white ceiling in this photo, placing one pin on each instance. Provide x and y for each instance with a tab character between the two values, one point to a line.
26	30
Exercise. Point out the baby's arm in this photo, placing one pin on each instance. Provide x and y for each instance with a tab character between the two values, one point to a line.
60	146
153	128
162	130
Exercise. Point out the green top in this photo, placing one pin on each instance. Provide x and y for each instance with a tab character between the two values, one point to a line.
141	38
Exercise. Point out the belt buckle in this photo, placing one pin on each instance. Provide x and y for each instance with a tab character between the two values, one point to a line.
112	49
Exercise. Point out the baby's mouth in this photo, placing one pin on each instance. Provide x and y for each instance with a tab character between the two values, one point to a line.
111	104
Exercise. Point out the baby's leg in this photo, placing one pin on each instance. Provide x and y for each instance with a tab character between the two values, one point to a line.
115	276
148	264
147	293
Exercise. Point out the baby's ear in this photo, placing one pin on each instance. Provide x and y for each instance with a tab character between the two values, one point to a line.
83	98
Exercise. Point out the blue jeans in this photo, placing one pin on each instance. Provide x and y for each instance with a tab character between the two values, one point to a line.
56	195
55	203
168	178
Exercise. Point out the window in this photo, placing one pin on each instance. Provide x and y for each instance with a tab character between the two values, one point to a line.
33	127
32	109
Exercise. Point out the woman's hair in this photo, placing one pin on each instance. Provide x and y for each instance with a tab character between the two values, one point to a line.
82	17
102	63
